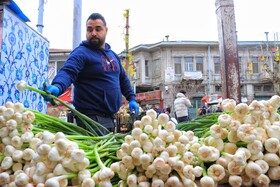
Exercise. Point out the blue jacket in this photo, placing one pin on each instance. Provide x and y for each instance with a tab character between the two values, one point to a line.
98	77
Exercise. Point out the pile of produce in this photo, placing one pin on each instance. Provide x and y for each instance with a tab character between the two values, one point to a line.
125	117
242	148
32	156
200	125
239	147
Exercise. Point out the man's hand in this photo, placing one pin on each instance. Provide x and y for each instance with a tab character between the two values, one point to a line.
54	90
50	89
133	106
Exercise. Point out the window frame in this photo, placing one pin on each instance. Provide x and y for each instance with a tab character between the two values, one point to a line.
188	63
147	72
156	68
177	64
199	63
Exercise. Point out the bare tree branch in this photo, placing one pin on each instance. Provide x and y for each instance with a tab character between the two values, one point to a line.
189	86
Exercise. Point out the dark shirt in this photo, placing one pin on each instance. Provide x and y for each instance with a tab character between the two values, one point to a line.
98	77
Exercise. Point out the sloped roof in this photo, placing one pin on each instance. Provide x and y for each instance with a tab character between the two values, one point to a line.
54	50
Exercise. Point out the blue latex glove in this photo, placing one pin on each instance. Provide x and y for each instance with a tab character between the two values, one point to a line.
51	89
54	90
133	106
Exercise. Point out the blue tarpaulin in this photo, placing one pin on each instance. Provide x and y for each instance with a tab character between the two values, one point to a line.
13	6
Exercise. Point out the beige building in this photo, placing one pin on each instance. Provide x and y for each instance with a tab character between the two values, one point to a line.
161	64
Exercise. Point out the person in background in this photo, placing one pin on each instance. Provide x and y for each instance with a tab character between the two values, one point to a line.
156	108
201	111
209	109
98	77
147	107
181	105
204	106
123	128
168	111
219	108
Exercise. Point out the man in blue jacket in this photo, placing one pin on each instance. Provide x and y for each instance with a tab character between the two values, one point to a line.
98	77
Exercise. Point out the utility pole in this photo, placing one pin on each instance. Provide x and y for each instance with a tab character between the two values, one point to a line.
77	23
228	50
40	25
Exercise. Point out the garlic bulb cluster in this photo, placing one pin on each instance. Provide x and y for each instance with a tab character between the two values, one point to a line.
156	154
242	149
44	158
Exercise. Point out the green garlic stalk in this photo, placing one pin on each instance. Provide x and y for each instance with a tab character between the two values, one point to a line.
88	122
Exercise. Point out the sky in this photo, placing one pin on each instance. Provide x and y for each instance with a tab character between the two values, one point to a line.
151	20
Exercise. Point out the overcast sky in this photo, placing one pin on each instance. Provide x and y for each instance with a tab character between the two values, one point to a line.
151	20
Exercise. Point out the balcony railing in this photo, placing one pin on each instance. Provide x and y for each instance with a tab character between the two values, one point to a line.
195	75
264	77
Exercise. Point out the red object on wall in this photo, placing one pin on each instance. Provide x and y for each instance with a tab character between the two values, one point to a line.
148	96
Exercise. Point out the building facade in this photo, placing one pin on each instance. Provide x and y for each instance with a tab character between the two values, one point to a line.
159	66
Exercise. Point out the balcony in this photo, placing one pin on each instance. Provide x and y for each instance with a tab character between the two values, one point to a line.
193	75
264	77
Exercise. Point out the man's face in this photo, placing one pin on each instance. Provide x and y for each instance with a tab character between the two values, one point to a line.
96	33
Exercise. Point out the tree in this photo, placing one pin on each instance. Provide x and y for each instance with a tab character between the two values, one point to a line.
274	76
190	86
273	73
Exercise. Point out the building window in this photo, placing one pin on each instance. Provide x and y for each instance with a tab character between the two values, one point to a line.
147	68
217	65
177	64
240	64
199	63
239	59
255	68
257	88
216	59
218	88
217	68
137	70
156	68
254	59
255	64
188	61
199	67
267	88
51	65
199	59
59	65
242	89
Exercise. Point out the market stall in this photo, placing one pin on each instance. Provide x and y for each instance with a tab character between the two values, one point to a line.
238	147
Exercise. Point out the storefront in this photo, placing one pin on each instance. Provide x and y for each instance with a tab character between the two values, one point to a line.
150	98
